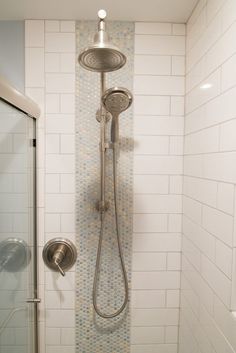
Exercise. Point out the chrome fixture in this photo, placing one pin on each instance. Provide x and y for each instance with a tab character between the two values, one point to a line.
116	100
14	255
59	255
102	57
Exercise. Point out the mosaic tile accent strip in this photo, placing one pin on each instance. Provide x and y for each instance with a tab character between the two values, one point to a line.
94	334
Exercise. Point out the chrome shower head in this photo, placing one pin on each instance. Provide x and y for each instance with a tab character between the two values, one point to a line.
116	100
102	56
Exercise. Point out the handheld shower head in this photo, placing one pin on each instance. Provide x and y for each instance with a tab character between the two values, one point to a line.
102	55
116	100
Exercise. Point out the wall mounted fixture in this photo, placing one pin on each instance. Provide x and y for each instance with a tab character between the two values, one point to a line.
103	57
14	255
59	255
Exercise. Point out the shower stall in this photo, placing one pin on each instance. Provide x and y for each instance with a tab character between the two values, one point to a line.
18	241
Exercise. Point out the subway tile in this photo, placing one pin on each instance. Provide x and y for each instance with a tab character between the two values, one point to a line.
60	318
34	33
68	223
156	242
67	183
178	29
205	43
152	28
148	262
156	280
67	299
159	45
159	85
228	14
52	223
157	125
175	223
52	300
227	136
52	143
173	298
60	123
147	335
151	105
218	224
217	280
52	62
177	106
209	141
202	239
67	143
67	26
151	184
225	197
55	282
151	145
205	91
192	209
34	64
59	42
157	203
158	165
178	65
148	299
149	223
52	103
228	73
68	336
224	258
67	104
52	183
152	65
176	145
158	348
60	83
172	334
51	26
176	184
52	336
223	49
220	166
204	191
59	203
173	262
67	62
60	349
154	317
212	7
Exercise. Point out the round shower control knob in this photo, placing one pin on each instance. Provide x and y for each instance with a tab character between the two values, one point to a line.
59	255
102	14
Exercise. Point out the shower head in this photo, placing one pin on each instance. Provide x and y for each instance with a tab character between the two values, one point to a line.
116	100
102	55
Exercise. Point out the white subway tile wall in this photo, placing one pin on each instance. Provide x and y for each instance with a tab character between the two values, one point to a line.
207	324
50	80
159	69
158	163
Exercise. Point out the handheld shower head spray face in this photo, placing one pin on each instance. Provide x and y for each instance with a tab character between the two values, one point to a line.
116	100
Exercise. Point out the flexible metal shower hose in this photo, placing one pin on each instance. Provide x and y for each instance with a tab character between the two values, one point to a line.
98	260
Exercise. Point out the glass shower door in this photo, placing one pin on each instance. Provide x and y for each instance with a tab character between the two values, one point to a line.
18	282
